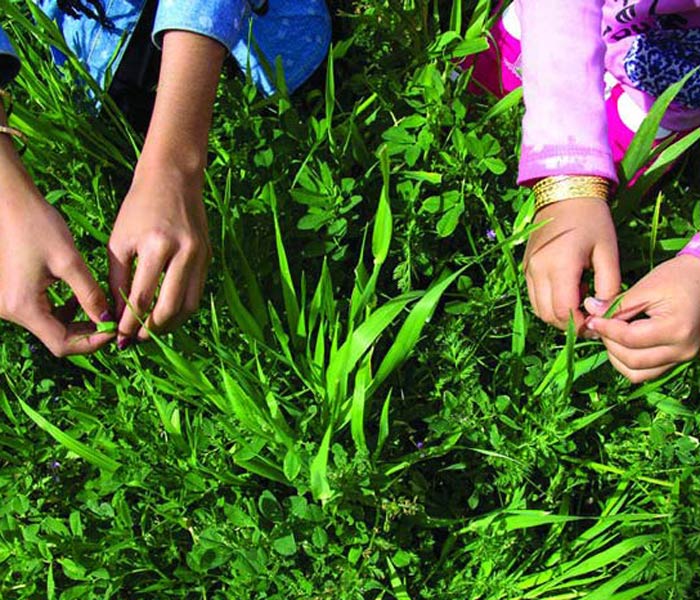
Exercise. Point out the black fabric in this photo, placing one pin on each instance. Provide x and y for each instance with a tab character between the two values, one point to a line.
133	86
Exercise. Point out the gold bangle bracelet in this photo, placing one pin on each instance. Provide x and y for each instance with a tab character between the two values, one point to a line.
566	187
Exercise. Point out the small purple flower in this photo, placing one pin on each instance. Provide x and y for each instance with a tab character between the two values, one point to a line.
54	465
420	445
491	235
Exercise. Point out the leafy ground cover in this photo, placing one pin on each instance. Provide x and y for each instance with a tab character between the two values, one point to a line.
365	406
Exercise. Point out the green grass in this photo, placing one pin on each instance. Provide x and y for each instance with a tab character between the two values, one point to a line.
365	406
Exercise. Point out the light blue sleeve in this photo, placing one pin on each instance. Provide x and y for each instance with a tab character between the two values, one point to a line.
9	62
221	20
296	33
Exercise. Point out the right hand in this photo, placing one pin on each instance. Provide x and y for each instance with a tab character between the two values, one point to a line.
36	250
580	236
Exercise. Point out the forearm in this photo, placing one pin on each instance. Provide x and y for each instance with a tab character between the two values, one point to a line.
565	124
16	187
179	129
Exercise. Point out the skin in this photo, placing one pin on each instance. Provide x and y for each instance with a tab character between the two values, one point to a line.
159	248
579	235
31	263
161	229
645	348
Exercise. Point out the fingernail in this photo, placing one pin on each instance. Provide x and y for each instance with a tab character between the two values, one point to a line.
123	344
597	302
106	317
590	325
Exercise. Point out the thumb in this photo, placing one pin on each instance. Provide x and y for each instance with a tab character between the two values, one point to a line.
606	269
596	307
88	293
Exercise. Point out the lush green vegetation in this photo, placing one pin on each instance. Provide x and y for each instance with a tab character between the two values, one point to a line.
365	406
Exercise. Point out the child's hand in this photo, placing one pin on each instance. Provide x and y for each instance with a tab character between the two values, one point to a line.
645	348
36	250
580	236
163	224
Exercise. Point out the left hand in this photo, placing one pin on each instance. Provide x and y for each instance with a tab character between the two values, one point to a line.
162	223
645	348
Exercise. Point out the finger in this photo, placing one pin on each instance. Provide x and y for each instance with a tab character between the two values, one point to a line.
179	296
87	292
606	271
120	264
532	293
171	298
65	340
566	299
143	290
641	375
645	333
644	358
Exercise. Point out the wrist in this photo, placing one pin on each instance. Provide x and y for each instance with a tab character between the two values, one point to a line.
182	167
552	190
692	248
582	207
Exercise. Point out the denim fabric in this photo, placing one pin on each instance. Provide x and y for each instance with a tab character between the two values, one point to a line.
222	20
297	32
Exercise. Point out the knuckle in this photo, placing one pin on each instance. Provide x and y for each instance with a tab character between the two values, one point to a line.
142	301
58	350
561	312
159	242
634	363
532	266
636	376
687	334
67	262
192	247
93	297
11	306
625	338
161	316
688	353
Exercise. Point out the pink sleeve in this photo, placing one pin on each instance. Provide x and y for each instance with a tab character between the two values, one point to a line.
692	247
565	125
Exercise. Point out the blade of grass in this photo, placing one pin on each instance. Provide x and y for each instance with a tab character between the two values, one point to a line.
91	455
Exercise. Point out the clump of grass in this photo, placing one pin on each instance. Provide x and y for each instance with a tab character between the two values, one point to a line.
365	407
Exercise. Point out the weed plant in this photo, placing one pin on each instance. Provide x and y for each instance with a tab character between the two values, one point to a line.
365	406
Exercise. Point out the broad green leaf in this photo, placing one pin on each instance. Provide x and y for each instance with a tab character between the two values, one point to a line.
286	546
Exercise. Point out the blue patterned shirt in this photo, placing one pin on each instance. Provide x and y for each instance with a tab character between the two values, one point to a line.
293	32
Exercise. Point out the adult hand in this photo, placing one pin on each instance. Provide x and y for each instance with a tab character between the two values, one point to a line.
580	236
163	224
645	348
36	250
